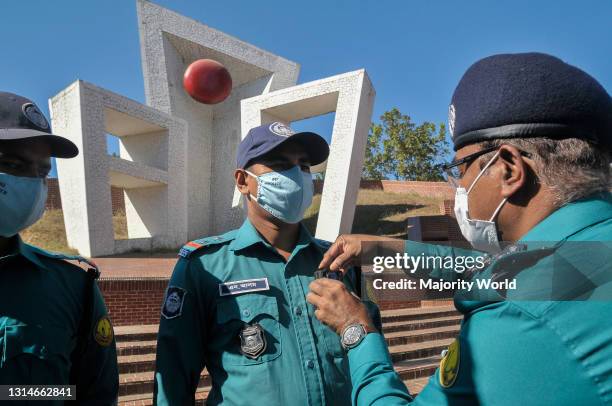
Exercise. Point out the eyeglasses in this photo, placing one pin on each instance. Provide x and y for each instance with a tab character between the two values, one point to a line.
452	174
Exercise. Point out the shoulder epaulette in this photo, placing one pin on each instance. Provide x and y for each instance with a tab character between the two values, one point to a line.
193	246
77	260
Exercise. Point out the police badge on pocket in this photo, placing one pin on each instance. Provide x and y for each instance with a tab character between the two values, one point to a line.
252	340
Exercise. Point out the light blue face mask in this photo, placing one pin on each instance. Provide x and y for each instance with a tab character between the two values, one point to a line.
22	202
286	194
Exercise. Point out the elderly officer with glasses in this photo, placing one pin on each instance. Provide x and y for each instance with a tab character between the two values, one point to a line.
533	137
54	328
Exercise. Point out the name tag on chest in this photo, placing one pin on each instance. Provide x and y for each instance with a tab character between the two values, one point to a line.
244	286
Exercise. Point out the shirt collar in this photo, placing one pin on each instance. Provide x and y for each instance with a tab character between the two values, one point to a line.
248	235
572	218
18	247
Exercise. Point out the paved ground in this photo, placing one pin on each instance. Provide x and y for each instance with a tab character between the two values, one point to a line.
134	267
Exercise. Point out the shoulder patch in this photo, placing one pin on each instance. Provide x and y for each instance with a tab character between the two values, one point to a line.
449	365
103	333
173	303
193	246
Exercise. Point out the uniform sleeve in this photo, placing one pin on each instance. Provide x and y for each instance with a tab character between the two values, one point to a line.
97	376
375	382
506	349
180	341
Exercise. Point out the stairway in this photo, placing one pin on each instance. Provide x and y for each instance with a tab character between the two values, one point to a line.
415	336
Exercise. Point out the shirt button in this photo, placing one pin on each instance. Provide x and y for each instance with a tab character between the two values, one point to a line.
298	311
246	312
310	364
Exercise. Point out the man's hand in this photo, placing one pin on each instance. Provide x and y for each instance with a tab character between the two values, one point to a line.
336	306
347	250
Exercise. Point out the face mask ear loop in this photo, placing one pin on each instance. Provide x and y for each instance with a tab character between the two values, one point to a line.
483	171
496	212
251	174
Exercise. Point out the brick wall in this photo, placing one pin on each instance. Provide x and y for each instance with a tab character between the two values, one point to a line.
54	200
428	189
133	301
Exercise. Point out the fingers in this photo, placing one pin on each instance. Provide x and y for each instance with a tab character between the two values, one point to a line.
342	262
325	287
335	305
332	252
314	299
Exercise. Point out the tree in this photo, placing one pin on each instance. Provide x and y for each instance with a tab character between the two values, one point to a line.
399	149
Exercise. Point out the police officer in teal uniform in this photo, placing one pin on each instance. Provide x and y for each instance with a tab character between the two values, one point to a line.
532	136
54	328
236	305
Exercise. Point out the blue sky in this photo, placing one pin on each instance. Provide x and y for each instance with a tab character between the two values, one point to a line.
414	51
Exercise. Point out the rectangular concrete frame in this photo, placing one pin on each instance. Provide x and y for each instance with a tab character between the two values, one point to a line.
169	43
351	96
154	178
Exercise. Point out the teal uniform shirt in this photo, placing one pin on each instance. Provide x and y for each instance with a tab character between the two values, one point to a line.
220	286
520	351
54	329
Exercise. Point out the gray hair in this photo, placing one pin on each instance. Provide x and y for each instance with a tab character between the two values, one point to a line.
570	168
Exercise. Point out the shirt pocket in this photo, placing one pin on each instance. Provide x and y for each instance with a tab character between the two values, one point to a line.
234	313
44	348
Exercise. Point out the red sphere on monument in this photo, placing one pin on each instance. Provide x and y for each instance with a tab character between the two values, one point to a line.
207	81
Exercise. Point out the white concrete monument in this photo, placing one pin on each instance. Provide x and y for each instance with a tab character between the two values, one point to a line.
177	156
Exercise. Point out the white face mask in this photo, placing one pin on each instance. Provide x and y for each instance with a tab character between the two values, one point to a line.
481	234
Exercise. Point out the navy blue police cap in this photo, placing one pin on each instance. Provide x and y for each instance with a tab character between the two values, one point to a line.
263	139
22	122
529	95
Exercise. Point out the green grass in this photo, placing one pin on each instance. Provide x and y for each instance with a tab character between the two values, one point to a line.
377	212
381	213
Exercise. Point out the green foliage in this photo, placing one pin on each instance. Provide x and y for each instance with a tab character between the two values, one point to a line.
399	149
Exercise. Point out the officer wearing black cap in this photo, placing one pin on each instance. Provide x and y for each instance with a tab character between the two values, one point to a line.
533	138
236	303
54	328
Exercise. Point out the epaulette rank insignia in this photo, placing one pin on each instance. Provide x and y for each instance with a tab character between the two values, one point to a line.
195	245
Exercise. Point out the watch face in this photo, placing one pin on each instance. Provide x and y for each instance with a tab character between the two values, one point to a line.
352	335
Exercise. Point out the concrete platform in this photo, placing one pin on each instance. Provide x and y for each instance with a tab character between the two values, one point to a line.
129	267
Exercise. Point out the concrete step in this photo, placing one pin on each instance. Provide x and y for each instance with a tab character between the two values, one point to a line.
139	383
420	336
415	385
389	317
146	399
136	363
133	383
419	351
402	346
411	325
417	368
140	340
419	313
146	332
136	347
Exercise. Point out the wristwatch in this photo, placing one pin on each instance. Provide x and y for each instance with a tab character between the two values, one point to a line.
352	335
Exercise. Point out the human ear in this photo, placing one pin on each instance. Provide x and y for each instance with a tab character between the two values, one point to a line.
513	170
240	178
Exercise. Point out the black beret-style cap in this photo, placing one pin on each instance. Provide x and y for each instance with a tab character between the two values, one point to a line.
529	95
22	122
